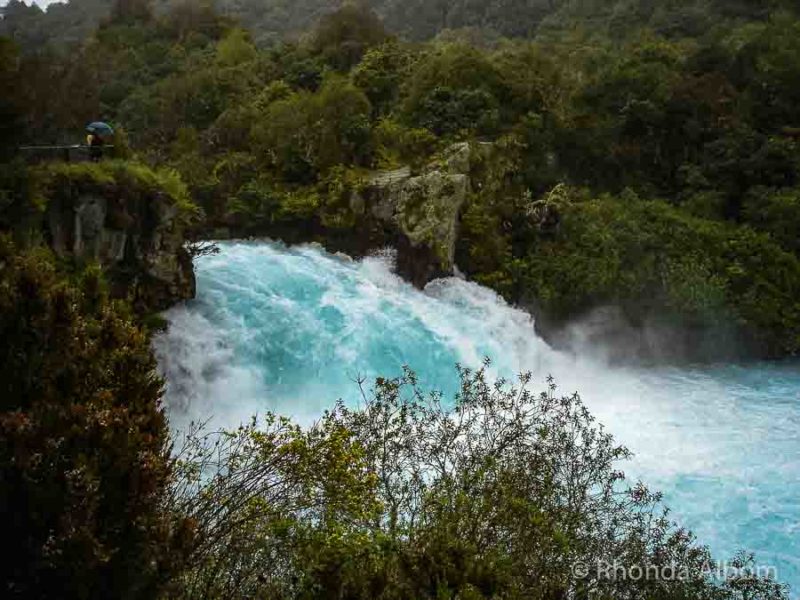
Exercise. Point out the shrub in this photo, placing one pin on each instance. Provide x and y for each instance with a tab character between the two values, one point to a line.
83	441
397	144
498	493
235	48
453	88
644	254
343	36
128	180
258	495
776	212
381	73
11	104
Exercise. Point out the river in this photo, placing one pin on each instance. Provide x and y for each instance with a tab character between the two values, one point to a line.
292	329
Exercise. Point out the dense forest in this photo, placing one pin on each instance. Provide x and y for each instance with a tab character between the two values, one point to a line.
636	154
668	162
65	23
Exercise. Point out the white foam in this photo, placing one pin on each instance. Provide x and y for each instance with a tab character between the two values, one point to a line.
291	329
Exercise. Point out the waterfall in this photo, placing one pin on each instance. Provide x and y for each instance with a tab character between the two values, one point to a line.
291	330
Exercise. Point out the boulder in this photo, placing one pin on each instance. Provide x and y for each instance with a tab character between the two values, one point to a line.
428	209
421	211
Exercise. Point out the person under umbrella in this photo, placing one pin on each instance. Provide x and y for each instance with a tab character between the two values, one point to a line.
97	131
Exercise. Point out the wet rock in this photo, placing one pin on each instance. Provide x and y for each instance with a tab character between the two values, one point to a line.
421	212
139	243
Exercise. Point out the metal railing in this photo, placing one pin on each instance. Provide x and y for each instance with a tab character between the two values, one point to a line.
68	152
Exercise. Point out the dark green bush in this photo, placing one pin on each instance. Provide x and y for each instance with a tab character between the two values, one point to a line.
454	88
648	256
776	212
342	37
84	460
306	134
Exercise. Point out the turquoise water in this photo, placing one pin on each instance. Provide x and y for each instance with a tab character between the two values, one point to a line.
291	330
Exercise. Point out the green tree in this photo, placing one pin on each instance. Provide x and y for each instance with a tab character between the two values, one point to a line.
11	104
343	36
654	260
776	212
188	18
235	48
131	11
381	73
306	134
83	443
764	62
454	88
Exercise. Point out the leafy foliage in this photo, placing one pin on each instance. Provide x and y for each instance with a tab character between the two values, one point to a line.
262	136
498	493
83	458
306	134
127	180
342	37
454	89
649	255
777	212
11	105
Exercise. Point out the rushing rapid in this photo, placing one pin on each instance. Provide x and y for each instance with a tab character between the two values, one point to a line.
292	329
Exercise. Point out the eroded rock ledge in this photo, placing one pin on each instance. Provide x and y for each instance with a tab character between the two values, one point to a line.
420	213
126	219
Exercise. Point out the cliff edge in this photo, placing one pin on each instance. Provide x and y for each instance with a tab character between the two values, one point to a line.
128	218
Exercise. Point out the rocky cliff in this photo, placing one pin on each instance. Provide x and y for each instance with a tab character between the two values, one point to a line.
420	212
414	211
129	219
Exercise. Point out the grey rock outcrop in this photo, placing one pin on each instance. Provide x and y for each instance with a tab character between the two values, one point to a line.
139	244
423	211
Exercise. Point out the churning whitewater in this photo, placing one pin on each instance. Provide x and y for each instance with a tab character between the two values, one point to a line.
291	330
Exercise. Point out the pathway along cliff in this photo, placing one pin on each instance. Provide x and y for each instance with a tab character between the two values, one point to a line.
290	329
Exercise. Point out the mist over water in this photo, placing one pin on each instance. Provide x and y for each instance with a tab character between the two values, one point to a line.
291	329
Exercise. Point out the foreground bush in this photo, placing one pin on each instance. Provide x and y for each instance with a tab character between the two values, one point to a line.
499	494
83	441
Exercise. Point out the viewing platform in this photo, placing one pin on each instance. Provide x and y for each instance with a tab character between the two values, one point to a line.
67	153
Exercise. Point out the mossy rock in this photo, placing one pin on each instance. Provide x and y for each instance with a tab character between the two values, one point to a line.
125	216
427	212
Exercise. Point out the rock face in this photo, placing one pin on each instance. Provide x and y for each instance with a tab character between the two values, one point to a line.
139	243
421	212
